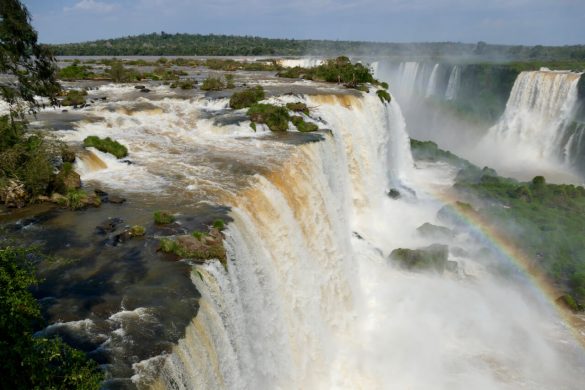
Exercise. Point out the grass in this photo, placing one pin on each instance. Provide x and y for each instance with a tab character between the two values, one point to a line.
302	126
163	217
212	84
219	224
106	145
247	97
74	97
275	117
298	107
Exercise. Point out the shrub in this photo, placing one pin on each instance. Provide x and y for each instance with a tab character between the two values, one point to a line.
383	95
298	107
74	97
212	84
76	199
229	81
163	217
120	74
186	84
198	235
247	97
168	246
302	126
75	72
137	231
106	145
27	361
275	117
219	224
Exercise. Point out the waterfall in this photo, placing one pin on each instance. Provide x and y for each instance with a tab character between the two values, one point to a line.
281	313
433	82
309	300
538	122
453	84
305	62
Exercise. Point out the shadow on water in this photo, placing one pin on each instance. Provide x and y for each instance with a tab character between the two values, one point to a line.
122	302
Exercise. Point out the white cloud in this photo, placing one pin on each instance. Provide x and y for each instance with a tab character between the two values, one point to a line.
92	6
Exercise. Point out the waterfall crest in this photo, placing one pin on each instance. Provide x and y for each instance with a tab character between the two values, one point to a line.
281	313
538	121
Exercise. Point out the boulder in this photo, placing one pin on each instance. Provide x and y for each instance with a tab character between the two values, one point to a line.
13	193
393	193
429	230
433	257
116	199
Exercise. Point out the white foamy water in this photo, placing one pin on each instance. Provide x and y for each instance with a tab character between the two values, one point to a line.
304	62
306	304
533	130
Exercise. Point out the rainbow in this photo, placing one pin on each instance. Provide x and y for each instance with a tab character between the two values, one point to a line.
503	246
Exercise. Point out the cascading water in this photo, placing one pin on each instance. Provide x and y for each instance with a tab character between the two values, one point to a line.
433	82
453	83
537	126
308	299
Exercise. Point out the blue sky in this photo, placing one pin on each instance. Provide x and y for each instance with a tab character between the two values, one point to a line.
530	22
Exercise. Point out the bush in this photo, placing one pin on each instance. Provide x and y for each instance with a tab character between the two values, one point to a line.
298	107
163	217
212	84
168	246
247	97
106	145
75	72
219	224
302	126
275	117
34	362
229	81
198	235
120	74
186	84
74	97
383	95
137	231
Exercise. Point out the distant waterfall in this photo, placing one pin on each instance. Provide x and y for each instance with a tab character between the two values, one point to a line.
538	121
433	81
453	84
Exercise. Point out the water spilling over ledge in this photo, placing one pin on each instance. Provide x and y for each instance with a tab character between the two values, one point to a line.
309	298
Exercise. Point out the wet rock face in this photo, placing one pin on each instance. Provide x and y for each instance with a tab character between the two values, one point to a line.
13	193
433	257
428	230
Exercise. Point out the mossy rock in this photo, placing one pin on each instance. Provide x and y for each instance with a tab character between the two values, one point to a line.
429	230
302	126
298	107
433	257
275	117
74	97
163	217
247	97
106	145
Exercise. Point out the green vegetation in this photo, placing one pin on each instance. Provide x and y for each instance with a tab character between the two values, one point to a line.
137	231
34	362
247	97
226	45
302	126
76	72
212	84
74	97
106	145
229	81
298	107
76	199
546	221
198	245
337	70
163	217
433	257
275	117
219	224
383	95
120	74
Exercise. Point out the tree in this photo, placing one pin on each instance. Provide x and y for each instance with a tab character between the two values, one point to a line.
30	362
30	64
